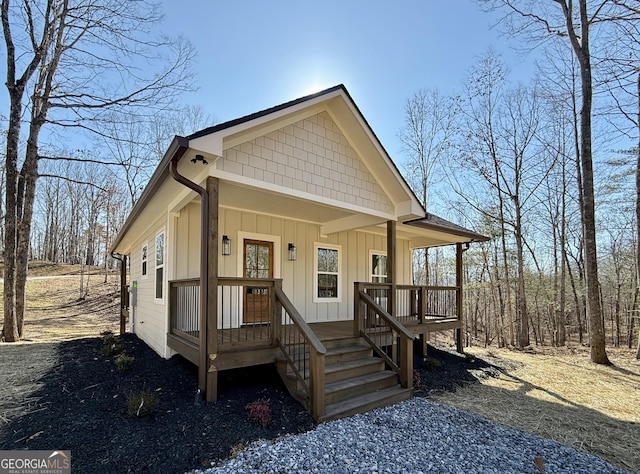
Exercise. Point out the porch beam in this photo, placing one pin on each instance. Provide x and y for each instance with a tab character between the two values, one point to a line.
350	223
211	260
392	265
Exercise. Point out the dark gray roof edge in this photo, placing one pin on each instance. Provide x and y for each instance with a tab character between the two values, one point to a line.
262	113
178	145
431	221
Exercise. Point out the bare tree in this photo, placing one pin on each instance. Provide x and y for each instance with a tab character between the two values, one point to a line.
573	22
136	146
69	61
429	126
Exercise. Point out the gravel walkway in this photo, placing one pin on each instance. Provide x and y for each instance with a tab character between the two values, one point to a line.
416	436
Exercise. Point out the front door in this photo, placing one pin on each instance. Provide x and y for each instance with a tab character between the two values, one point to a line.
258	263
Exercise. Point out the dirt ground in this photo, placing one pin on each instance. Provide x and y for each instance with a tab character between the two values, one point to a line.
55	310
559	394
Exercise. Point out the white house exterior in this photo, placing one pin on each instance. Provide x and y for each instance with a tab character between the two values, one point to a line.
303	194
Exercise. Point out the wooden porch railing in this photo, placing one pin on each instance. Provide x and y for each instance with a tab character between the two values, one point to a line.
184	309
255	313
416	304
384	333
304	353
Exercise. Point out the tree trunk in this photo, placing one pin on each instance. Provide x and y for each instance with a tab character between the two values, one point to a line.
581	49
521	303
10	329
562	330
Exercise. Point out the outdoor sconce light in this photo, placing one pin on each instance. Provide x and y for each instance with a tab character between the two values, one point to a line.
199	158
293	252
226	245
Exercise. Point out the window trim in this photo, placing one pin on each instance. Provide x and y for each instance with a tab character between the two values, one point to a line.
144	261
371	275
161	266
317	299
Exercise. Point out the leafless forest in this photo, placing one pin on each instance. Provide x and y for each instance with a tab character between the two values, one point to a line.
547	168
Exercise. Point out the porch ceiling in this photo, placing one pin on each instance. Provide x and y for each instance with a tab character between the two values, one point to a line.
235	196
431	232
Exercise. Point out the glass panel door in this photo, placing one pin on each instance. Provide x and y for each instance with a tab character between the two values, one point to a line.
258	263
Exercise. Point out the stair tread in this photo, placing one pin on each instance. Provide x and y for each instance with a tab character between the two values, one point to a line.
338	350
350	364
337	409
359	380
340	366
346	349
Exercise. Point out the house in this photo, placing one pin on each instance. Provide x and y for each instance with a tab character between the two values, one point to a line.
286	237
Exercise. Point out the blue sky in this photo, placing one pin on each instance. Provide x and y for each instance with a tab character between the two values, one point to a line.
254	54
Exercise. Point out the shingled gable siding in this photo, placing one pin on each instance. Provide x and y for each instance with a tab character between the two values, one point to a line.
311	156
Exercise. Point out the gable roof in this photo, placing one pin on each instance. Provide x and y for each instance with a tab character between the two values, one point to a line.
339	100
270	110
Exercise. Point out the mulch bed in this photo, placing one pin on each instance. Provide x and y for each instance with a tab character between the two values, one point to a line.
70	395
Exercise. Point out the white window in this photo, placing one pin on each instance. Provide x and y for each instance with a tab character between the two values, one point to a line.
160	266
144	259
378	266
327	273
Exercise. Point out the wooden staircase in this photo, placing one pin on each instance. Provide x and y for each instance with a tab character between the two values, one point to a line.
356	381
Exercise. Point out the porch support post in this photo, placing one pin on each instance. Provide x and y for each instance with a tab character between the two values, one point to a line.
211	260
391	265
459	345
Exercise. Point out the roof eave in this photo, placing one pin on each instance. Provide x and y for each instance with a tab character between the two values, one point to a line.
177	148
468	235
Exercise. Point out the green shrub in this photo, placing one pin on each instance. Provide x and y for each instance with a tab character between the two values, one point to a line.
431	363
124	362
111	349
110	344
142	404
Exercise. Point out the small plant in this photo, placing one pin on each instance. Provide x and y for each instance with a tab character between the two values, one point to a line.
111	349
417	380
430	363
110	344
142	404
124	362
259	412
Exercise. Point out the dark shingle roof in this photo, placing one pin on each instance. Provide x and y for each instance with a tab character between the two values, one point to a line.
433	222
262	113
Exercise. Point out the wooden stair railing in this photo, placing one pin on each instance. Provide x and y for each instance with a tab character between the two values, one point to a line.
386	335
304	352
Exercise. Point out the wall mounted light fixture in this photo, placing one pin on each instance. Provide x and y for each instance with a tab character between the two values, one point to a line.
200	158
226	245
293	252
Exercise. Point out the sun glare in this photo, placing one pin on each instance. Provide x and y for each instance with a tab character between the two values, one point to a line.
314	88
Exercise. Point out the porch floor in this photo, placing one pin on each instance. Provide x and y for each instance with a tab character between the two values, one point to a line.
330	330
259	336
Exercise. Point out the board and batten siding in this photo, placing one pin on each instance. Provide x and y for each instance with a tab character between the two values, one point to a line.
311	156
298	276
149	316
186	254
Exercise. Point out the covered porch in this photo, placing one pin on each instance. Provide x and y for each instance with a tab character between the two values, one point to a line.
387	319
